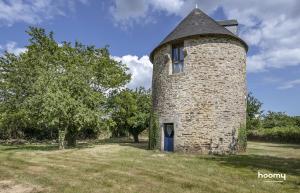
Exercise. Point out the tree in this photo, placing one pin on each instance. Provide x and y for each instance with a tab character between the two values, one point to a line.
131	111
253	112
297	121
58	86
278	119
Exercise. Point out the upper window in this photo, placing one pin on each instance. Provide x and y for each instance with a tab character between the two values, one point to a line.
177	58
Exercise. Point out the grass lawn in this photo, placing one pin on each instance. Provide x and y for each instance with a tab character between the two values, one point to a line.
127	167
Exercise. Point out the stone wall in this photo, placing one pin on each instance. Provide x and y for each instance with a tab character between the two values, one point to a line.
206	102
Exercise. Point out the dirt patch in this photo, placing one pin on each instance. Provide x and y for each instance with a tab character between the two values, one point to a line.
103	149
8	186
36	169
159	155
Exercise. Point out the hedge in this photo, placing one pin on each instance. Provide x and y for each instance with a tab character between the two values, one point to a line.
277	134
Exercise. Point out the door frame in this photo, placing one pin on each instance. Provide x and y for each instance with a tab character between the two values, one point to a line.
163	134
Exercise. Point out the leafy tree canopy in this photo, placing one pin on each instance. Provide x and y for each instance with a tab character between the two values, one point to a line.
278	119
58	86
131	111
254	112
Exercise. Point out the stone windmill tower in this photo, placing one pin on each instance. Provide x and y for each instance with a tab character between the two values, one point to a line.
199	85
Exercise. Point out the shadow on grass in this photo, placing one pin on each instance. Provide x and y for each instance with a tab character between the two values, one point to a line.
143	144
289	166
29	147
266	140
140	145
80	145
285	146
41	147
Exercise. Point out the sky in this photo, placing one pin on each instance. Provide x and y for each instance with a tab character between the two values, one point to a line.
132	28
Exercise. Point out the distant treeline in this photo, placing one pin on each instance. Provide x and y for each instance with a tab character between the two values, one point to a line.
271	126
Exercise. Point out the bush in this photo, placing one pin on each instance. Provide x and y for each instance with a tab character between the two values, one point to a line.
242	138
39	133
290	134
153	132
88	133
4	134
278	119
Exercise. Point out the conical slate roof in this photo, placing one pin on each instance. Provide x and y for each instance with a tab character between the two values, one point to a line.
197	23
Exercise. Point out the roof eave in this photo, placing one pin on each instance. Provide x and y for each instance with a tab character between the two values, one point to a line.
198	35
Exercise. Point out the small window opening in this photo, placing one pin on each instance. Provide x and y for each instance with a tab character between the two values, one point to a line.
177	58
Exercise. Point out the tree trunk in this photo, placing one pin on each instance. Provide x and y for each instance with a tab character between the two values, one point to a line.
71	139
61	139
51	134
136	138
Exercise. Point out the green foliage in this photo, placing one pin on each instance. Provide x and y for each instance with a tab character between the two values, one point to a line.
53	86
242	138
297	120
289	134
253	112
130	112
278	119
277	126
153	132
4	133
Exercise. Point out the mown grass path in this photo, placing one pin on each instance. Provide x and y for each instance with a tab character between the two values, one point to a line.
127	167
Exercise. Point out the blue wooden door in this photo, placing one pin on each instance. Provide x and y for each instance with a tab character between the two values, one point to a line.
169	137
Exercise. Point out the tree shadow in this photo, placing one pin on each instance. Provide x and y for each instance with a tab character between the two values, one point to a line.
33	147
140	145
143	144
293	143
80	145
286	146
42	147
289	166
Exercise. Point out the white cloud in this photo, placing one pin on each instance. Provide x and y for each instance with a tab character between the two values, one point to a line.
140	69
170	6
128	12
11	47
34	11
273	58
272	26
289	84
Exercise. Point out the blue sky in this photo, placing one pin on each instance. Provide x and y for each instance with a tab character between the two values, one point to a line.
133	28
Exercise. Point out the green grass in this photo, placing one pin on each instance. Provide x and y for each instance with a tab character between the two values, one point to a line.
127	167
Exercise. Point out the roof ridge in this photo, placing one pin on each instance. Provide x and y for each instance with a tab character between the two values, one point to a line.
216	22
185	18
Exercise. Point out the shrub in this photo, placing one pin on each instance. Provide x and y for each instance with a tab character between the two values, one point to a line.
278	119
289	134
242	138
153	132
